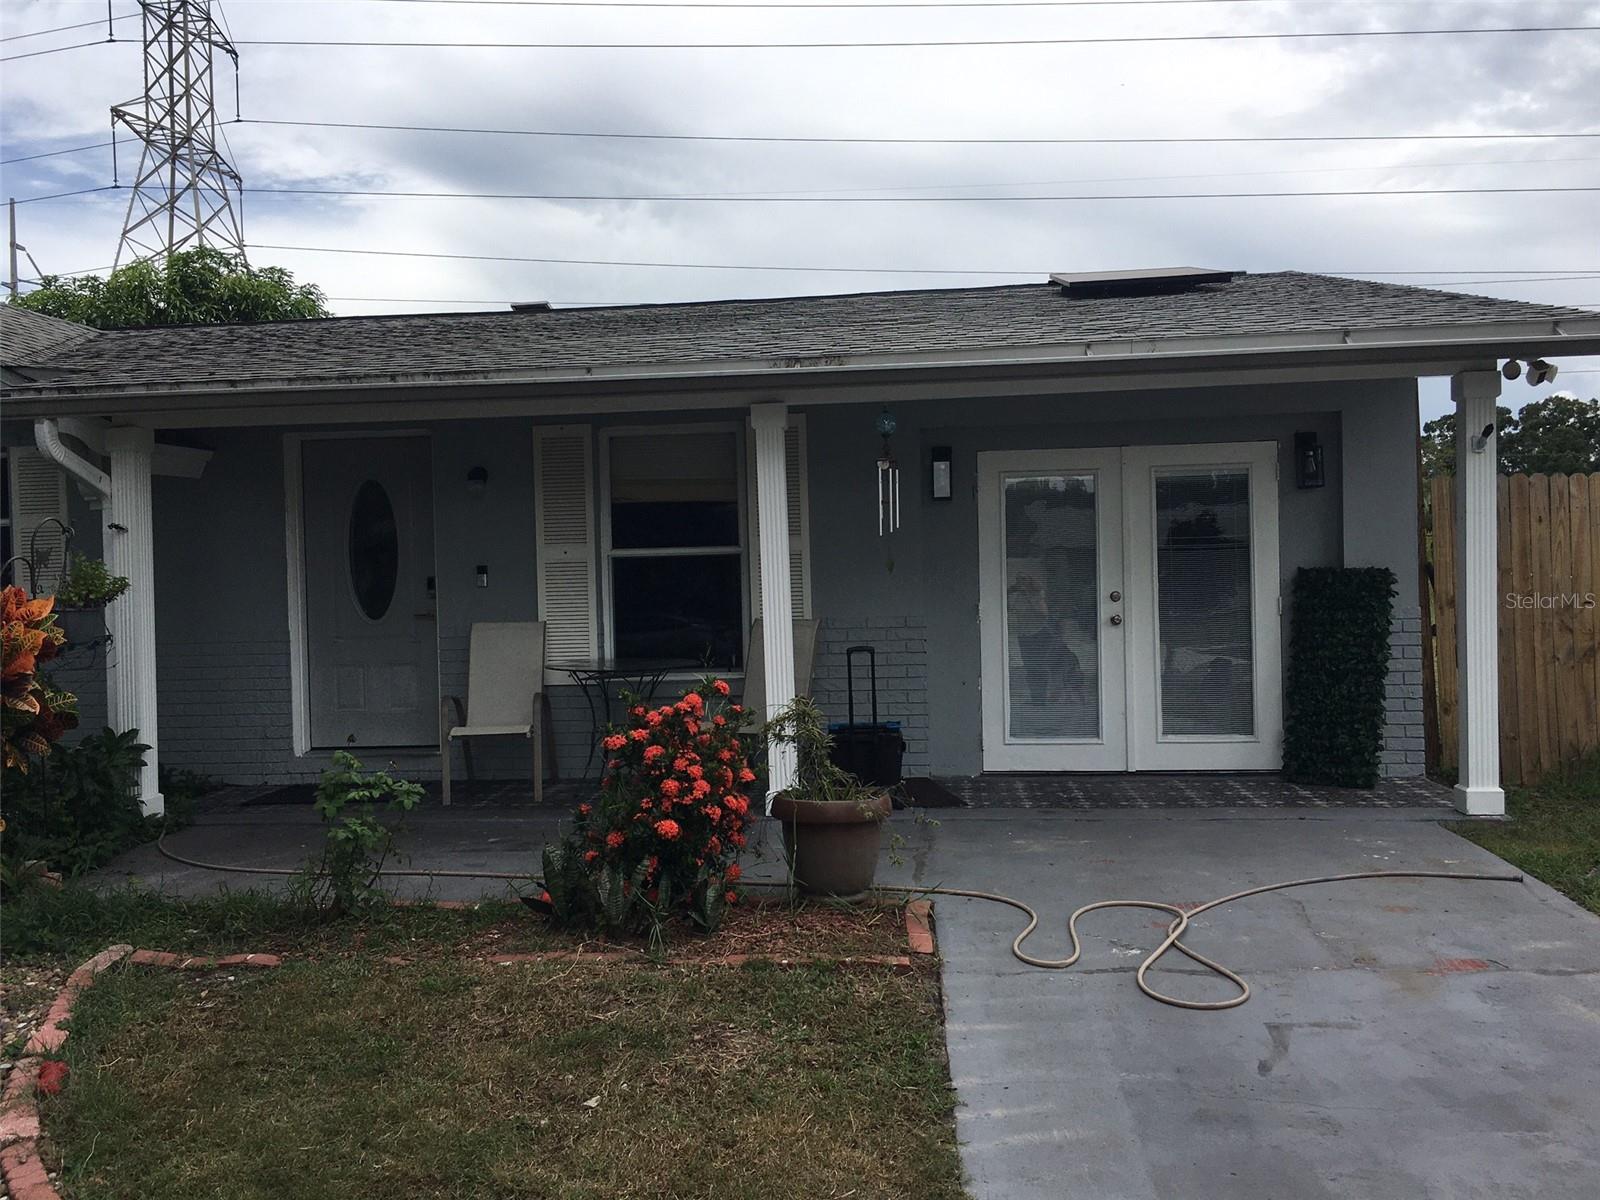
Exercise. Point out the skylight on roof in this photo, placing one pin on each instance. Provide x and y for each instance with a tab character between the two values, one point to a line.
1151	282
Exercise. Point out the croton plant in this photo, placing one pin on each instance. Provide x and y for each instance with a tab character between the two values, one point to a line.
35	714
662	838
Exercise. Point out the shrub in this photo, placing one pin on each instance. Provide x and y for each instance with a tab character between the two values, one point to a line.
357	841
35	714
662	838
79	808
1338	665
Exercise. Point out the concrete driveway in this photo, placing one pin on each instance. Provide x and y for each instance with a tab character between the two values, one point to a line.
1405	1038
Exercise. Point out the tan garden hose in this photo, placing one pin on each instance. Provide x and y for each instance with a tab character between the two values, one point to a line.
1175	931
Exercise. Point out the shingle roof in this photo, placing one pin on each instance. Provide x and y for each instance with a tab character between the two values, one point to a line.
29	337
803	327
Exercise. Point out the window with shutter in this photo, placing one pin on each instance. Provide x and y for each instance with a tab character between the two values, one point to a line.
35	496
564	524
799	521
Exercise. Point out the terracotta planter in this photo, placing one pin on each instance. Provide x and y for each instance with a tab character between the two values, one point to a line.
833	844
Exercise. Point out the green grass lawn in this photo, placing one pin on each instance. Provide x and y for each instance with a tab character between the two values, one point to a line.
1552	832
342	1075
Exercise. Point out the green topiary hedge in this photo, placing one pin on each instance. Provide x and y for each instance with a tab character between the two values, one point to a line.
1338	662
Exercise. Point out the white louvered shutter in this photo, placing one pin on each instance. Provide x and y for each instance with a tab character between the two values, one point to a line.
563	473
794	467
38	495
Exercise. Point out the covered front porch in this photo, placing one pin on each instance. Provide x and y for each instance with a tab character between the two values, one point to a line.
571	521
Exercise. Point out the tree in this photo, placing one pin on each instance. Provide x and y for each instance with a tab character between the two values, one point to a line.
1559	434
190	287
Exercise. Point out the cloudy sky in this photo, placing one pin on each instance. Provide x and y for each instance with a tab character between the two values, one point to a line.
1506	245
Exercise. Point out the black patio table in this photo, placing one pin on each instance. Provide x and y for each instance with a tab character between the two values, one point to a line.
599	677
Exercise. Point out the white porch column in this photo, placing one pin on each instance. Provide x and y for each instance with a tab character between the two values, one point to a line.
1478	791
131	619
769	423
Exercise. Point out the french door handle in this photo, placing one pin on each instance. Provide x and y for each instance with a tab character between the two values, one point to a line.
1116	618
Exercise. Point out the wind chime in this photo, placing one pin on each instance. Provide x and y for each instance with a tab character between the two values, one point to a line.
888	478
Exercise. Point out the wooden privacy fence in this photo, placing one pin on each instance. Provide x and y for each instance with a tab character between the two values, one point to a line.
1549	586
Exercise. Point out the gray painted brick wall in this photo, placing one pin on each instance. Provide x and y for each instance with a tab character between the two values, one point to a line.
902	647
1403	745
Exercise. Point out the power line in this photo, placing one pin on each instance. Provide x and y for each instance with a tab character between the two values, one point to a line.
5	162
17	37
837	4
737	198
932	141
1124	40
728	198
105	187
105	41
1029	272
1101	141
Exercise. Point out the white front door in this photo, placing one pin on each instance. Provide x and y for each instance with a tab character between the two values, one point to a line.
1129	608
371	623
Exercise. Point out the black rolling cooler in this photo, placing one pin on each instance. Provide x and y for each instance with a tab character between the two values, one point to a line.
871	752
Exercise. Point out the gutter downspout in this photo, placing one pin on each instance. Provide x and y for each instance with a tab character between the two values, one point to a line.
47	436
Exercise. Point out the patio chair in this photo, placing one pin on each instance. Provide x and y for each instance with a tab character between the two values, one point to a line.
505	695
755	666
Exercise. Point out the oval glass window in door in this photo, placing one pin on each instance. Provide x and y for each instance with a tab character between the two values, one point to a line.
374	549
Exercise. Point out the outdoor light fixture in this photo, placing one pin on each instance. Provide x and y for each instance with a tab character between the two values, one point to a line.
1308	470
1540	371
477	481
1480	440
888	478
941	473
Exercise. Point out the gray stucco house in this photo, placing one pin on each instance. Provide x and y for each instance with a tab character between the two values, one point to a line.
1102	494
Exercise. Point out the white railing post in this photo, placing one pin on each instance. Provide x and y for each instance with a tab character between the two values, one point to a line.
131	619
769	424
1478	791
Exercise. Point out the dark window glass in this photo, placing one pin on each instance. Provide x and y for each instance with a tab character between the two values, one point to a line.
676	523
374	549
674	490
686	608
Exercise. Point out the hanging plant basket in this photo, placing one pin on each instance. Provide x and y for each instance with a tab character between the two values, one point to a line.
88	586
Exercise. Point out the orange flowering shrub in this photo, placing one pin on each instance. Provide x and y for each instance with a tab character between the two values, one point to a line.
662	838
35	715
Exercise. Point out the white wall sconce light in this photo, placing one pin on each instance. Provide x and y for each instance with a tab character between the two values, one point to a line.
941	481
1480	440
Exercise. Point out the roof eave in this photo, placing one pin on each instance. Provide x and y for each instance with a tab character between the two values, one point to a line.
1565	336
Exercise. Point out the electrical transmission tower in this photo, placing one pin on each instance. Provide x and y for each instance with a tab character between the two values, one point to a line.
186	193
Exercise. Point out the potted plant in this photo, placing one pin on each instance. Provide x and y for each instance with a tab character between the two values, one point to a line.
832	823
88	584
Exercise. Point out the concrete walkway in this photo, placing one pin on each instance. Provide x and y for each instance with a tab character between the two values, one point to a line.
1405	1039
1374	1059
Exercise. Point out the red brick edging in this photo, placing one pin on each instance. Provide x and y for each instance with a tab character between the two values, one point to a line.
20	1166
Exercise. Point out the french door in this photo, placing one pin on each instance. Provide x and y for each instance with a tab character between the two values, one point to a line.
1129	608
